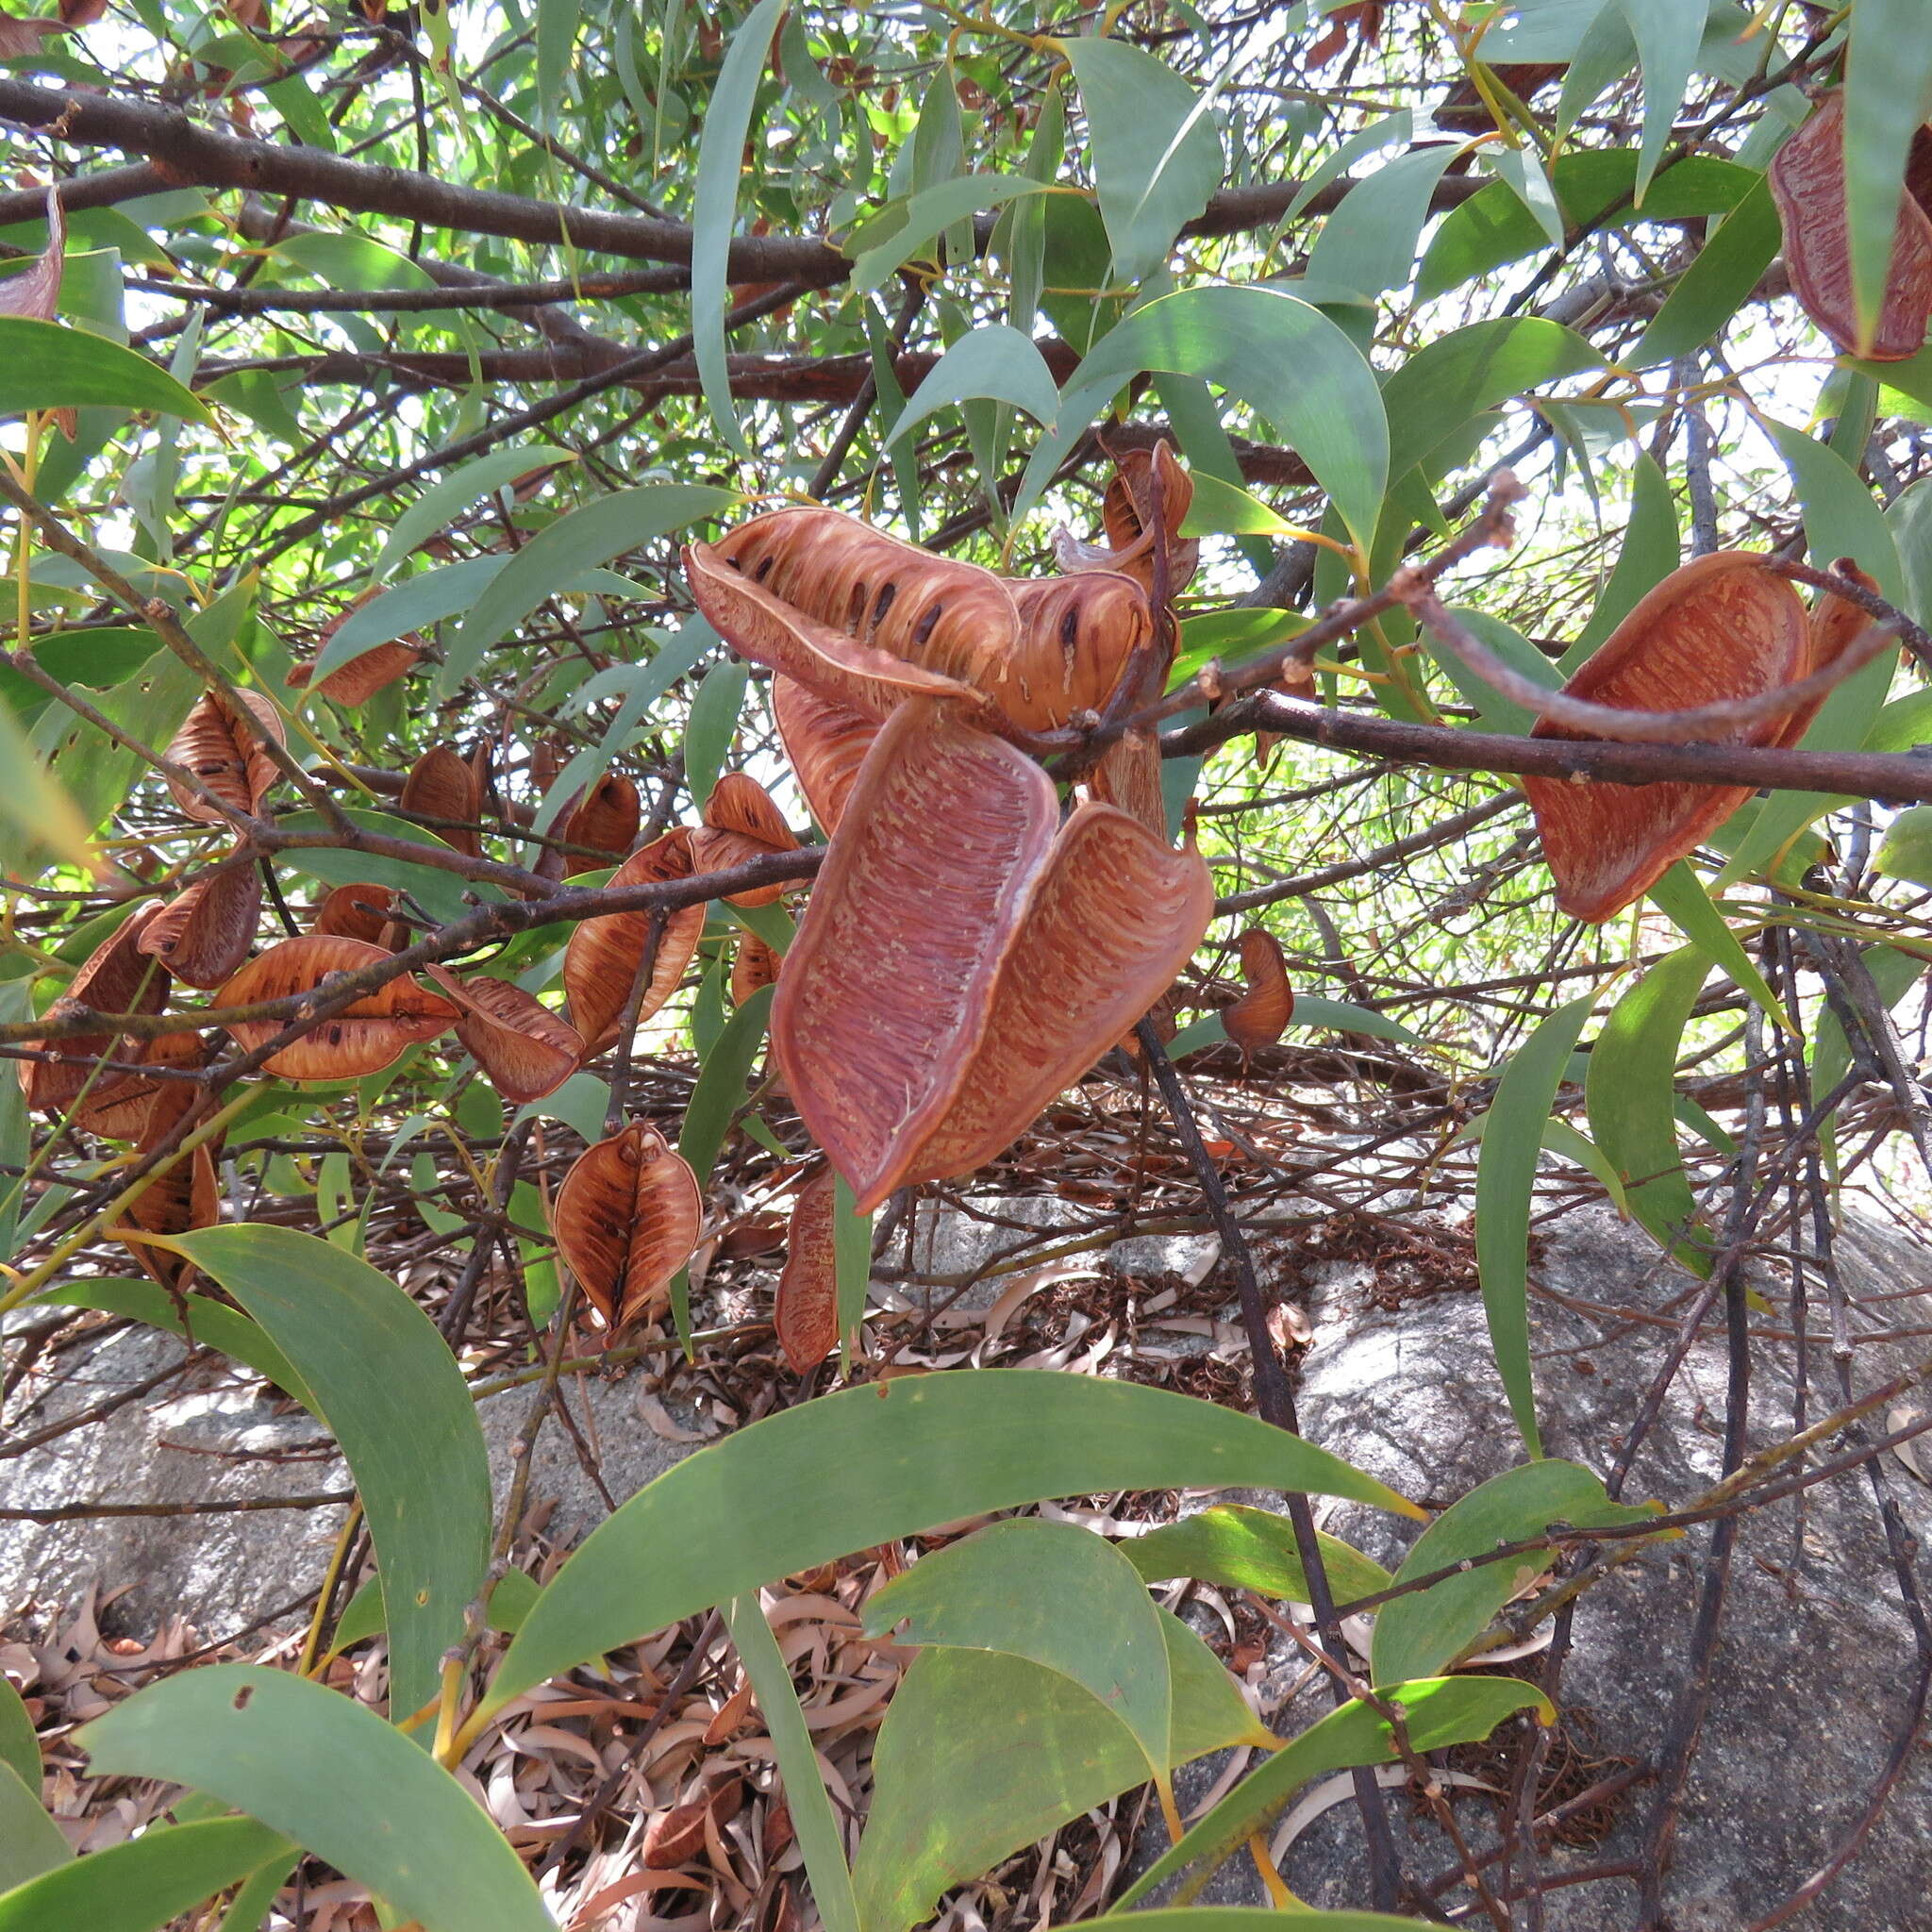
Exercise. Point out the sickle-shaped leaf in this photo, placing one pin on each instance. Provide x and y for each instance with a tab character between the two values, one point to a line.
226	755
1261	1016
446	785
627	1219
826	742
1807	181
144	1884
741	823
1725	626
117	977
368	1034
204	935
806	1313
887	990
606	954
1244	1548
356	681
354	913
606	819
527	1051
756	967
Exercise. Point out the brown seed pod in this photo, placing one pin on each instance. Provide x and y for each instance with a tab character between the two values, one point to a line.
756	966
602	960
117	977
826	742
342	914
962	959
806	1311
128	1107
356	681
1807	182
226	755
607	820
524	1048
1128	775
445	785
1837	624
1261	1016
627	1219
866	620
204	935
741	823
1128	514
1725	626
185	1196
371	1033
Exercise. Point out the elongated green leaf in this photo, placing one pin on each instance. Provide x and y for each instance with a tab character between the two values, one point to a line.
38	812
1717	283
248	1909
1652	550
1154	149
30	1841
711	726
906	227
97	658
356	1792
1681	897
1368	244
1506	1181
433	511
1311	1013
983	1753
1495	712
394	1399
820	1839
993	360
1286	358
720	1091
851	1469
1667	33
1419	1634
1244	1548
139	1887
1054	1593
46	365
1435	1712
19	1747
1252	1919
714	204
1629	1091
414	604
592	535
1888	98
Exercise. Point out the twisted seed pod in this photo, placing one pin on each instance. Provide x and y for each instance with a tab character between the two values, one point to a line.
604	955
754	967
131	1106
826	742
605	819
362	676
523	1047
804	1313
226	755
341	913
442	784
1128	514
117	977
741	823
1261	1016
627	1219
204	935
181	1198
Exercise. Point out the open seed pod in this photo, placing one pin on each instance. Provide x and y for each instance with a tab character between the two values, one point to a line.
371	1033
605	819
1127	513
368	672
867	619
1725	626
527	1051
627	1219
183	1197
741	823
1261	1016
134	1107
1807	182
226	755
962	957
204	934
603	956
826	742
117	977
442	784
355	912
1127	774
755	966
805	1310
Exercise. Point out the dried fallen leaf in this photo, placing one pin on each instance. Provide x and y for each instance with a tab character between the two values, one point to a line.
627	1219
605	956
355	911
1807	181
826	742
741	823
606	819
371	1033
1261	1016
805	1310
756	966
203	936
117	977
227	755
1725	626
677	1836
527	1051
445	787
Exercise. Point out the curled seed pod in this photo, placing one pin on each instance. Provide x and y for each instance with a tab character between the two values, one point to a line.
128	1107
445	785
756	966
1725	626
1807	182
371	1033
1261	1016
1077	634
524	1048
741	823
826	742
355	912
117	977
602	962
606	819
358	679
1128	775
203	934
183	1197
627	1219
1128	514
806	1311
226	755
